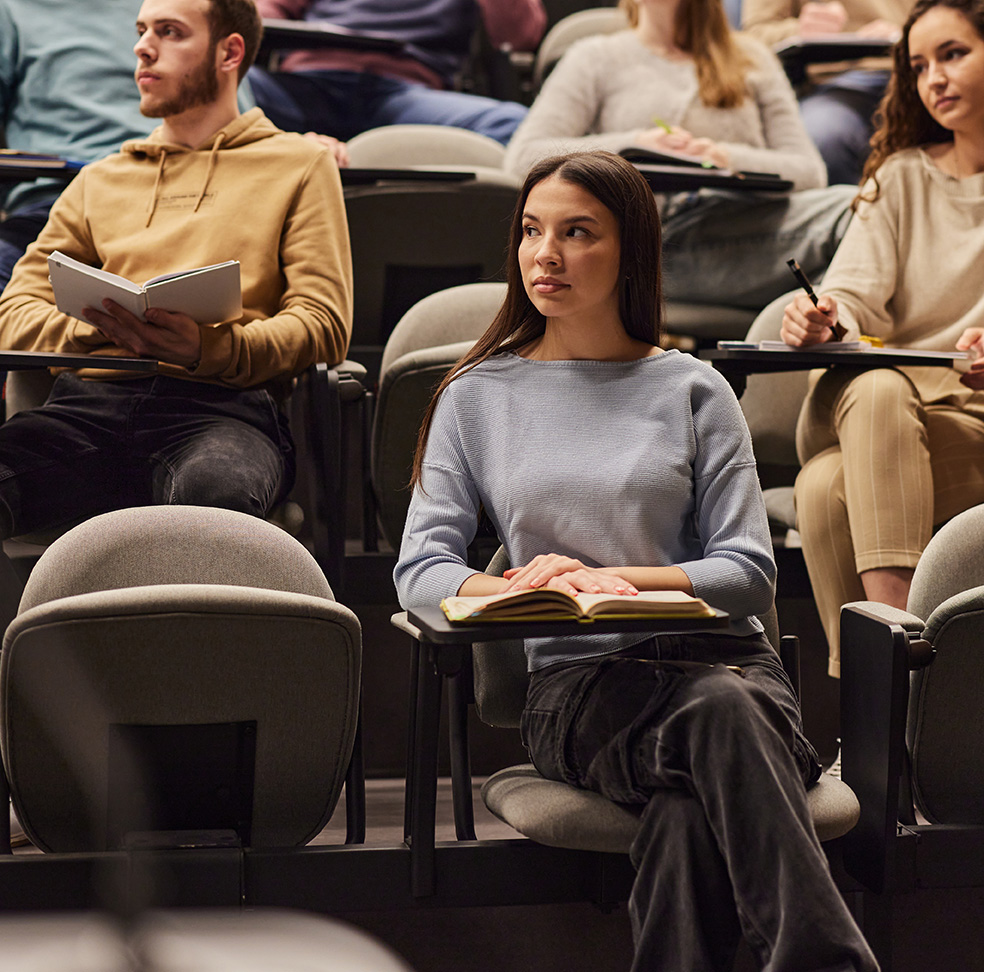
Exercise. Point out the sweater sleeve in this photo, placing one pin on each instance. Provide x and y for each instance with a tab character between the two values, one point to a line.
788	149
864	272
564	115
314	322
517	23
770	21
737	572
442	519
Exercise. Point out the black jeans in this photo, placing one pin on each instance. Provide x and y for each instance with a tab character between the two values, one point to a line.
717	762
96	446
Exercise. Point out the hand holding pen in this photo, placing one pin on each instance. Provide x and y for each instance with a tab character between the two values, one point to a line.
808	319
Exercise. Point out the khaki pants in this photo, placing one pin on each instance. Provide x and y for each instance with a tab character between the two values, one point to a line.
887	455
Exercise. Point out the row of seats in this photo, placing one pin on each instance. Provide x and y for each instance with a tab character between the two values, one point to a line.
183	677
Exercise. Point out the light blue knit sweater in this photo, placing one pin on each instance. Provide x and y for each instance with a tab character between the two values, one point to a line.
643	462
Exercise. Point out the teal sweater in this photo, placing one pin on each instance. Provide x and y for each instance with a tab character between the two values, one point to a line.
637	463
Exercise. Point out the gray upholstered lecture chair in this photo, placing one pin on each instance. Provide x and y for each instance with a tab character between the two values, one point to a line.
427	341
568	30
771	405
403	146
413	239
912	722
177	668
559	815
213	940
545	811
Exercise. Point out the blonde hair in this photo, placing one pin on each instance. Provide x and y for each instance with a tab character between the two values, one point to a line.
703	31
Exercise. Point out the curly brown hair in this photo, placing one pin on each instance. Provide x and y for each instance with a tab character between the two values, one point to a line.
902	120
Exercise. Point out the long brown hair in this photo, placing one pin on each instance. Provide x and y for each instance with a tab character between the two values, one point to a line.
902	119
618	186
703	31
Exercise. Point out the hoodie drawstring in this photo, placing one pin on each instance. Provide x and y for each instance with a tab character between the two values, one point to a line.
208	176
211	168
157	187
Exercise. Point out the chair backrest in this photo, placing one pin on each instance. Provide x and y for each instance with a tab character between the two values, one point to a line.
185	653
401	146
946	720
771	402
582	23
426	342
411	240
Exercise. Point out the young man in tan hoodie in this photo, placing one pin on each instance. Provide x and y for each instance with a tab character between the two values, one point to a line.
208	185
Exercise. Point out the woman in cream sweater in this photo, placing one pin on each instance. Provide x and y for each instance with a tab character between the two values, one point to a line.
682	80
890	453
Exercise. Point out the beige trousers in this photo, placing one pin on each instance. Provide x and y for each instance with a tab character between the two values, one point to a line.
887	455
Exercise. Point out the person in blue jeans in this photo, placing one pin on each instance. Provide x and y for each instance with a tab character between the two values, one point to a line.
344	92
610	466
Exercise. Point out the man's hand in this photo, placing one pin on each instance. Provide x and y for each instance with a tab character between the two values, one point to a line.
567	574
822	18
337	148
973	340
803	324
164	336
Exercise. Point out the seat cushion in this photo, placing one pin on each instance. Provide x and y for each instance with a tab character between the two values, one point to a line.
559	815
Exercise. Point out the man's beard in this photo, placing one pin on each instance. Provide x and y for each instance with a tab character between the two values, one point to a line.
201	87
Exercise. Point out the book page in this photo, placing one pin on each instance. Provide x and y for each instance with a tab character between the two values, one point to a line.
209	295
77	286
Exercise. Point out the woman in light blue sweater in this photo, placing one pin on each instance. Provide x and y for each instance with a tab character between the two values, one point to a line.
609	465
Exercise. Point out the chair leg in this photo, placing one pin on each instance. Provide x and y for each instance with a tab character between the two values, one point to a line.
355	790
461	781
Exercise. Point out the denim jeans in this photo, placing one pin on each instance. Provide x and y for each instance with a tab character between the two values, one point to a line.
716	762
838	117
96	446
345	103
17	231
731	247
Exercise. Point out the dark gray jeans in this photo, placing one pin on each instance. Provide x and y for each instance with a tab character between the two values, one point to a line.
96	446
717	762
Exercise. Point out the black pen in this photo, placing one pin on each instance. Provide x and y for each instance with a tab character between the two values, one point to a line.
804	281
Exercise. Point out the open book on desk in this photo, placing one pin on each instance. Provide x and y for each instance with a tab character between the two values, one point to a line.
209	295
846	347
549	605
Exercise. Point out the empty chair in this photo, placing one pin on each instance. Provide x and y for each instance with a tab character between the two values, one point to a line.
400	146
178	668
913	729
410	240
207	941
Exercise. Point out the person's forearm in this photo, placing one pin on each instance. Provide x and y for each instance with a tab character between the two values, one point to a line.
654	578
482	585
518	23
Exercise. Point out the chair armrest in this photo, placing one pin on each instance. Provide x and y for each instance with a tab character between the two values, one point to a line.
874	701
890	615
401	622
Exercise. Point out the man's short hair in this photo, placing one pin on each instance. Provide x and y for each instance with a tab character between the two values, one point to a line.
227	17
